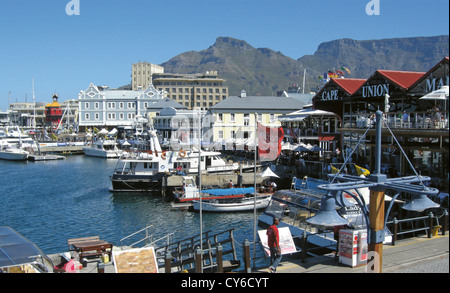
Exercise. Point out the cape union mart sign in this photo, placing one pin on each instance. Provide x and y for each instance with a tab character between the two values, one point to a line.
330	95
377	90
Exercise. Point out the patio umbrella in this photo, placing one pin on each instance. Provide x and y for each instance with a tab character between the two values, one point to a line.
440	94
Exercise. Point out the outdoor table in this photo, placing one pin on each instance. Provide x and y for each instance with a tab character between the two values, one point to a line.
93	248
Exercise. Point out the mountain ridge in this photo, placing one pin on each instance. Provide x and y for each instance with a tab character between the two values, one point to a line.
263	71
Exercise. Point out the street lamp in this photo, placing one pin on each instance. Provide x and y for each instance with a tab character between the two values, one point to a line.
378	184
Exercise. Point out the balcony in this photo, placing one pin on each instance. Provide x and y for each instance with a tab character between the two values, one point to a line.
415	123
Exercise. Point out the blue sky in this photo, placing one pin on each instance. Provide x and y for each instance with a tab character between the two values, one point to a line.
65	53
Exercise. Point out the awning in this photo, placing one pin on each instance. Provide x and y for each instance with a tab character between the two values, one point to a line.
300	115
326	138
15	249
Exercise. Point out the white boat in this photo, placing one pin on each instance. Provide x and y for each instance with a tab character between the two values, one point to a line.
103	149
143	170
14	154
247	203
14	145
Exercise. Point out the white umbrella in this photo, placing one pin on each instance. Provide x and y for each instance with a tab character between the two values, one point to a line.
440	94
103	131
268	173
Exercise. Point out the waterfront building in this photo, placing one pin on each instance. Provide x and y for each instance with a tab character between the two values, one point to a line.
102	107
232	122
141	74
412	120
194	91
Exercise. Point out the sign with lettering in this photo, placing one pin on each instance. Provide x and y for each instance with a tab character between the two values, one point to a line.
331	95
436	83
286	242
377	90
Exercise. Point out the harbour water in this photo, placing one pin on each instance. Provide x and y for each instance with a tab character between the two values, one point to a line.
52	201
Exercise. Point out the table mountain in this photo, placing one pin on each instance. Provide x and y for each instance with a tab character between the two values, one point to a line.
262	71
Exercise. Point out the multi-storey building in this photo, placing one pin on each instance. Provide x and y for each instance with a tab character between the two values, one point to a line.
233	122
141	74
192	90
100	106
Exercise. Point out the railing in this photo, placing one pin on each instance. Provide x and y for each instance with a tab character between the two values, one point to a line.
417	120
148	238
418	224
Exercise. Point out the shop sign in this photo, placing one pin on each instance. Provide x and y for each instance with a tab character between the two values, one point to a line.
436	83
378	90
330	95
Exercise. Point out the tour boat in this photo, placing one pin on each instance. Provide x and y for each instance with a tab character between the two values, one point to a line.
144	170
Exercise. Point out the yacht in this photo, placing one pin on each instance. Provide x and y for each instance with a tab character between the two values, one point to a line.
103	148
14	145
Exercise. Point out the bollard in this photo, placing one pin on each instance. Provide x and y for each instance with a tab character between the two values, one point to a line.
394	237
430	215
198	261
247	256
219	258
100	268
168	263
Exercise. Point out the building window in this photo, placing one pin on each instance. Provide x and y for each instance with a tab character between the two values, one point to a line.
232	117
86	105
97	116
96	105
87	116
220	117
220	134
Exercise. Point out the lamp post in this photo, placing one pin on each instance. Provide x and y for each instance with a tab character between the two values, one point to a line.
378	184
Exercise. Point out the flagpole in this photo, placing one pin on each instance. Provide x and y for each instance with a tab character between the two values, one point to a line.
254	186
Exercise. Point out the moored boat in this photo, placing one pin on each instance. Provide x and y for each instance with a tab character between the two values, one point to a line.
14	154
103	149
240	204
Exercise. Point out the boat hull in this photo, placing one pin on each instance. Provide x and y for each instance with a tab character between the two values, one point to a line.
100	153
247	205
14	156
135	183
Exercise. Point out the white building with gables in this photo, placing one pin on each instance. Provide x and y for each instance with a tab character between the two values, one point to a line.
100	106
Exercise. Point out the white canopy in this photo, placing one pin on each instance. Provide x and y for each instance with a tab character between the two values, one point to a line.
268	173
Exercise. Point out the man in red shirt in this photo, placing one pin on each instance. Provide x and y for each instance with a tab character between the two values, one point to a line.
273	240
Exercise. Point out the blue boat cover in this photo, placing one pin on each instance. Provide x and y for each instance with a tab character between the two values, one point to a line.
229	191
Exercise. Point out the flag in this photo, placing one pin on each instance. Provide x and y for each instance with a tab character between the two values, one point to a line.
334	169
269	142
361	171
346	69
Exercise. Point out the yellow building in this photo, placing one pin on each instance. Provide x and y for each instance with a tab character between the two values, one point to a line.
234	120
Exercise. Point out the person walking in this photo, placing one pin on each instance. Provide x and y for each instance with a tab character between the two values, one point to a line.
273	240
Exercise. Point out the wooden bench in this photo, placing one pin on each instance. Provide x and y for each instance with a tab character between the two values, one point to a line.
90	246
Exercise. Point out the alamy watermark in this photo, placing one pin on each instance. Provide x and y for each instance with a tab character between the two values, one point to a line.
373	7
73	7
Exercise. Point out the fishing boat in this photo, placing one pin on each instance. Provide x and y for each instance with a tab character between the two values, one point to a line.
293	206
240	204
103	148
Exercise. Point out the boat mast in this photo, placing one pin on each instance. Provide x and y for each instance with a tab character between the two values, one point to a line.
34	105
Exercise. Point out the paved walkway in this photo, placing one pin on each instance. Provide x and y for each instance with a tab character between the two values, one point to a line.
413	255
